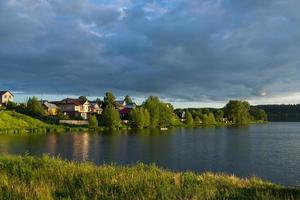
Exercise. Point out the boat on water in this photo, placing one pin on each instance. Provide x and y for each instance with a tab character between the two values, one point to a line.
163	128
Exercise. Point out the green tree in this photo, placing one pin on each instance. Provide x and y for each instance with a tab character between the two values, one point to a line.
11	105
111	117
189	121
258	114
219	115
146	118
109	99
209	119
128	100
93	122
34	107
152	104
137	118
166	114
197	121
238	112
83	98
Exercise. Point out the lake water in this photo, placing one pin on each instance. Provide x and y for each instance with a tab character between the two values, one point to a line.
270	151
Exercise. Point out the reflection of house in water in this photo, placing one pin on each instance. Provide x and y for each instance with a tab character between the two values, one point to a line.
52	144
81	146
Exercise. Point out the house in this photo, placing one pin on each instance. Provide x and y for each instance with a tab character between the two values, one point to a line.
5	97
50	108
124	108
120	105
96	107
74	107
181	115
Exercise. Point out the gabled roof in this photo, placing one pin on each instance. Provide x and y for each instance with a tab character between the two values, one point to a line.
3	92
76	102
49	105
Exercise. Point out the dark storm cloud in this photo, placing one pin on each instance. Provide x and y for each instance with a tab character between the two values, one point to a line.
191	50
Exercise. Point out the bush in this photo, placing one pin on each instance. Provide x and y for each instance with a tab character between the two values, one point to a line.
93	122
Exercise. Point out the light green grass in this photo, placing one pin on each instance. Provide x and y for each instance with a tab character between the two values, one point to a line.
17	123
10	119
46	178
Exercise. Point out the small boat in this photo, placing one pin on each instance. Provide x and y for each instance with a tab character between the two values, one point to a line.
163	128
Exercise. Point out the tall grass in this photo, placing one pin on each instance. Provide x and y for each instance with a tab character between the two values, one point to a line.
46	178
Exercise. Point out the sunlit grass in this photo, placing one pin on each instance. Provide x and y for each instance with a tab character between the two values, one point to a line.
17	123
46	178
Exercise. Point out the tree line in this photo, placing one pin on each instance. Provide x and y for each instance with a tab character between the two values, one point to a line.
154	113
282	113
234	112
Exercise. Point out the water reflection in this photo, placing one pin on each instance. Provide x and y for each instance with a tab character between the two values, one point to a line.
271	151
80	146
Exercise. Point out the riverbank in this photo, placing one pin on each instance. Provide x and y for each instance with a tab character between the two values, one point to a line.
46	178
16	123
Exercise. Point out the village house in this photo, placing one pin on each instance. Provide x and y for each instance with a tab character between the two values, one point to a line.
5	97
124	108
181	115
96	107
74	107
50	108
120	105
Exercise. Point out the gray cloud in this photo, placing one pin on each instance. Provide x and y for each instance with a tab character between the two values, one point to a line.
191	50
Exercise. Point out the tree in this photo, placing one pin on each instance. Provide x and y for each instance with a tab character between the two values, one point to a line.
11	105
109	99
137	118
189	121
152	104
83	98
128	100
209	119
111	117
166	114
146	118
197	121
34	107
238	112
219	115
258	114
161	114
93	122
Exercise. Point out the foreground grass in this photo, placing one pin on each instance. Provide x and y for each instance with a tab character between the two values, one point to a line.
46	178
17	123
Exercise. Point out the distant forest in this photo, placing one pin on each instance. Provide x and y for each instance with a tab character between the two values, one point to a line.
282	113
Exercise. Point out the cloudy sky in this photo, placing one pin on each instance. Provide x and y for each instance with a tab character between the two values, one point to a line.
191	52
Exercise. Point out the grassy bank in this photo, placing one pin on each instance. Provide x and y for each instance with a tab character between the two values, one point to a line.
46	178
17	123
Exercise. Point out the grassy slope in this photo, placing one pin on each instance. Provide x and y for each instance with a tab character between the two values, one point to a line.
15	123
45	178
10	119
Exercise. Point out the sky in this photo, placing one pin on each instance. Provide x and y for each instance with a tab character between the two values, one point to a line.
188	52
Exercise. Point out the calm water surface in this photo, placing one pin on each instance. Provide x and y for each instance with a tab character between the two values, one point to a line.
270	151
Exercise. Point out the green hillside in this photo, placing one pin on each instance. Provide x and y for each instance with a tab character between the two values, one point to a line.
14	120
15	123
